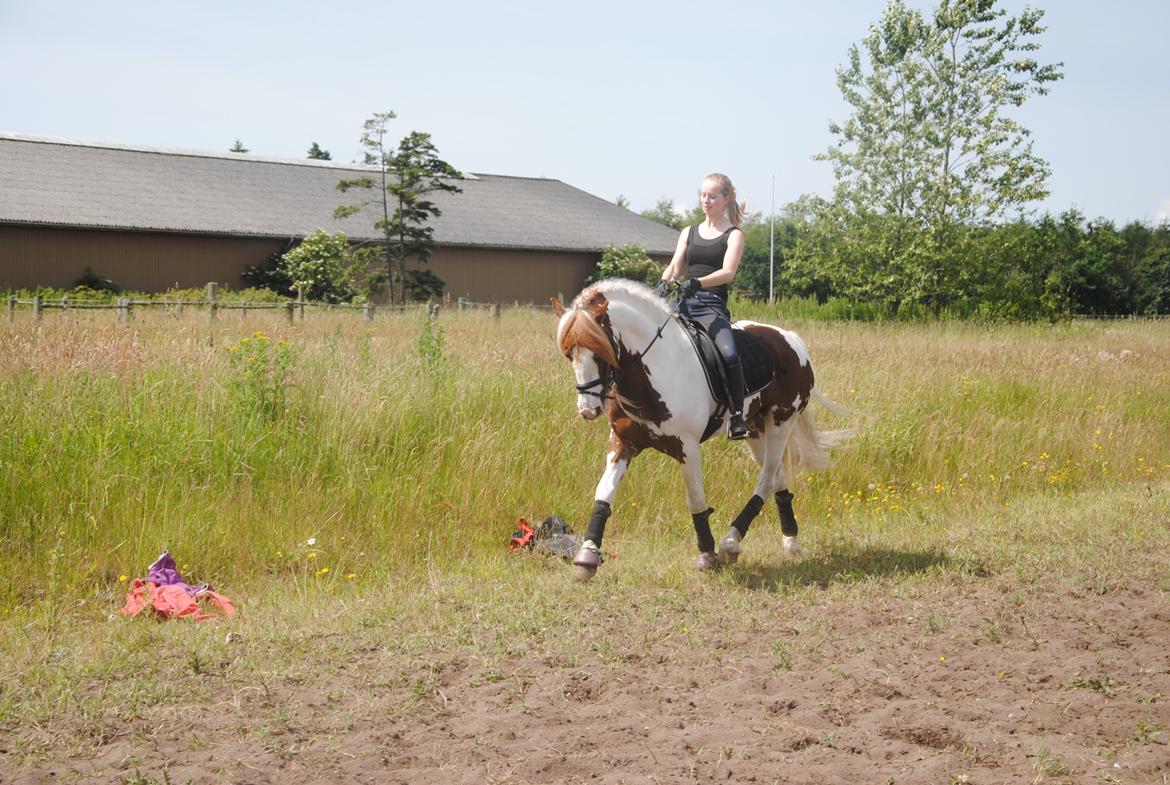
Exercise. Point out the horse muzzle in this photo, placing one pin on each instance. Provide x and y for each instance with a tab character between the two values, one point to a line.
589	412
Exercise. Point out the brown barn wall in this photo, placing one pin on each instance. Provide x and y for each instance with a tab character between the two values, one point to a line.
32	256
490	275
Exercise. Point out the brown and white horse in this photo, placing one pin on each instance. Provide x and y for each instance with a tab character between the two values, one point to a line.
633	359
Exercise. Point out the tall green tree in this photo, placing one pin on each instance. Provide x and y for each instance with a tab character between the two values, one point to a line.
663	212
930	146
318	153
407	175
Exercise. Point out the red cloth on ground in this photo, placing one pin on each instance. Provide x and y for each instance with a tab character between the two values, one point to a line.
173	601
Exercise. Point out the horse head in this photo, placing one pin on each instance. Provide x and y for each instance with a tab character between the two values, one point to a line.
586	339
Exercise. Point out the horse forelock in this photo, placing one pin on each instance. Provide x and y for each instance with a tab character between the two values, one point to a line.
579	330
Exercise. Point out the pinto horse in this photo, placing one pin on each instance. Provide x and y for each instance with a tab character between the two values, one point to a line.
633	359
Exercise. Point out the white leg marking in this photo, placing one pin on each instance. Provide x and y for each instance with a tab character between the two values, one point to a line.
611	478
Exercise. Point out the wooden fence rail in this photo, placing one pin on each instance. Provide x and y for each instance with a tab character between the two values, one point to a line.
294	309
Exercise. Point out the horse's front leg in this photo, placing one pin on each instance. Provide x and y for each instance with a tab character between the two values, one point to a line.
692	468
588	558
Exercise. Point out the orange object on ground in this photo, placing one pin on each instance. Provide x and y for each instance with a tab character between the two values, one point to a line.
173	601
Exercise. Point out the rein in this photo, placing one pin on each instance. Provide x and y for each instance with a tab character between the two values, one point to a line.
612	376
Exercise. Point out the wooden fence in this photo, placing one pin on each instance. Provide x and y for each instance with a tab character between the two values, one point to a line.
293	309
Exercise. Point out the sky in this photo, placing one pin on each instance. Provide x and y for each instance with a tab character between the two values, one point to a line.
631	98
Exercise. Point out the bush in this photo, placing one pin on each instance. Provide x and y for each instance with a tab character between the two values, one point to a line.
630	262
322	264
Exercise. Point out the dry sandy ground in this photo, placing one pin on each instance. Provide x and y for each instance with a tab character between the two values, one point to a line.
975	687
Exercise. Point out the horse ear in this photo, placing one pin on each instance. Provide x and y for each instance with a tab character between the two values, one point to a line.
557	306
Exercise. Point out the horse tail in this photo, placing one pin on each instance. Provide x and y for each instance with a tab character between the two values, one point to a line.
809	448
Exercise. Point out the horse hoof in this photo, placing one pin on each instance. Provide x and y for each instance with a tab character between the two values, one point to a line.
706	561
586	561
729	547
791	546
583	574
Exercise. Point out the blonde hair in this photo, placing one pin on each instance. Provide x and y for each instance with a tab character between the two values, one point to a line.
735	210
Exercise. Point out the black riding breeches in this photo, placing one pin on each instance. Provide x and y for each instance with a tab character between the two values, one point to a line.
709	310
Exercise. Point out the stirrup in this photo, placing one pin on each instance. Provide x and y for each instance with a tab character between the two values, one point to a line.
737	429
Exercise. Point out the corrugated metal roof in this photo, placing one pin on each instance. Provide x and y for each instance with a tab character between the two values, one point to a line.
83	184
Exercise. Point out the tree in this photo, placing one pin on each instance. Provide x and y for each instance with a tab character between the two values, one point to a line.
663	212
622	202
406	176
238	147
319	154
929	146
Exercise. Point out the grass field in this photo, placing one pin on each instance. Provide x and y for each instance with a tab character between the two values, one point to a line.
353	487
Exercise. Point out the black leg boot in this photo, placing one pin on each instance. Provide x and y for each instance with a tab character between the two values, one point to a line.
737	428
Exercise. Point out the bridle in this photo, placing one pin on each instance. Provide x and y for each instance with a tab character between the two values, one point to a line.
611	376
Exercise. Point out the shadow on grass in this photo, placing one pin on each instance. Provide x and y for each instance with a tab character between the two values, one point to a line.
850	567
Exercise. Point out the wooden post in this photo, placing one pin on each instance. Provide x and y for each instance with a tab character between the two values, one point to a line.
38	304
289	310
243	312
121	306
212	300
496	311
368	311
11	307
301	299
64	302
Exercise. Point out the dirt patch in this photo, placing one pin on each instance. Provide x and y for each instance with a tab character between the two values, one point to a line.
972	687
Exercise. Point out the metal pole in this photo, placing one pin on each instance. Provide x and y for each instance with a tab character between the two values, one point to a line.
772	244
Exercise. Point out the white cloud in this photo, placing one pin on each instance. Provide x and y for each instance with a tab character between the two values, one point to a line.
1163	212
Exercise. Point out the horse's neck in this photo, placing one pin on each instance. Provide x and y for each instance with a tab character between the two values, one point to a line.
634	327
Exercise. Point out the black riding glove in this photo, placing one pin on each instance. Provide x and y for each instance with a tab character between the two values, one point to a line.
689	288
662	289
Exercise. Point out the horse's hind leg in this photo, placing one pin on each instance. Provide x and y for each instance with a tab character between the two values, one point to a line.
788	526
768	450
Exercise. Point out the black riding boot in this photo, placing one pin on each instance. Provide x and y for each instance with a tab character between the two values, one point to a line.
737	428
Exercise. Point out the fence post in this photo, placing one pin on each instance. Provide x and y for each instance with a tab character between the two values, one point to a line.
301	299
64	302
368	311
496	311
289	309
11	307
212	300
243	312
121	305
38	303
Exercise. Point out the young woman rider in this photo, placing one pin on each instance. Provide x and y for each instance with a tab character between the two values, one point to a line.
708	255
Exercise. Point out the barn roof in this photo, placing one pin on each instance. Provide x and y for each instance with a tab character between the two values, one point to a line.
62	182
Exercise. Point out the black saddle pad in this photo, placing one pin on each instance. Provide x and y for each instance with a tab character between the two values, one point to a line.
756	360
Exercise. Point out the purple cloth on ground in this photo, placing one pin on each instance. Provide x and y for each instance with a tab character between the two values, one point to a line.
164	573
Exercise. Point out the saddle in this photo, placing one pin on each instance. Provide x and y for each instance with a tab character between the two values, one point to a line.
754	358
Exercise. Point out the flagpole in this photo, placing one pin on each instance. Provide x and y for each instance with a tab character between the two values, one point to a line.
772	244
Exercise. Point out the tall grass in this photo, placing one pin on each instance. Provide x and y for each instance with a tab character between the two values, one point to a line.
333	453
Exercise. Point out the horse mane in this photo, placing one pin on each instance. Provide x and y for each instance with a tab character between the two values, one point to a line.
579	327
624	288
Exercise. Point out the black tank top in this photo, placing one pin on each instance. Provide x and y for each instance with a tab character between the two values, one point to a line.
706	256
